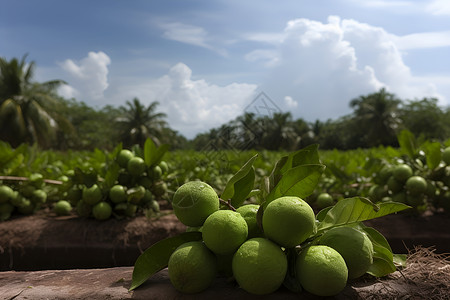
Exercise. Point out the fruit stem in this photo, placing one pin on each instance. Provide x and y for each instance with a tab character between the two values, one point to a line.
228	204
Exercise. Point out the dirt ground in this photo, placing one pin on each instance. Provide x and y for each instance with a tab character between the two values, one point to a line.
47	242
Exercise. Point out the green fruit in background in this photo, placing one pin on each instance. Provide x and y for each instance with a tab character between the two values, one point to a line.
27	190
130	210
26	207
6	210
92	195
39	196
416	185
446	156
394	185
321	270
224	231
249	212
377	192
83	209
36	180
62	208
415	200
6	194
123	157
384	175
164	167
324	200
148	197
193	202
402	172
136	194
118	194
353	245
74	195
154	205
136	166
259	266
155	172
102	211
399	197
145	182
288	221
192	268
159	188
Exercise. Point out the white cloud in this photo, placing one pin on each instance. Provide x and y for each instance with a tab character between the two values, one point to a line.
290	102
423	40
439	7
88	78
325	65
192	106
189	34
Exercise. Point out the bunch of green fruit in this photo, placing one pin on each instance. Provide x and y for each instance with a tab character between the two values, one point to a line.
279	241
129	185
24	196
414	182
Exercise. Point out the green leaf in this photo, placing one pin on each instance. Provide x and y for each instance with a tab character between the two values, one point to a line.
376	237
241	184
400	260
149	151
407	142
322	213
381	267
432	154
357	209
299	181
156	257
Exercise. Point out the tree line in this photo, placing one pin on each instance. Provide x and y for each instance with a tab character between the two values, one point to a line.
32	112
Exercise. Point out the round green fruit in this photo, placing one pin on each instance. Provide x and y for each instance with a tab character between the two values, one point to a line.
92	195
164	167
159	188
192	268
62	208
249	212
353	245
6	194
324	200
155	172
6	210
402	172
259	266
123	157
416	185
118	194
36	179
102	211
39	196
224	231
136	166
321	270
394	185
288	221
193	202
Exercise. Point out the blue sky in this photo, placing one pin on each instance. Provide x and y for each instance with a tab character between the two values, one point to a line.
206	61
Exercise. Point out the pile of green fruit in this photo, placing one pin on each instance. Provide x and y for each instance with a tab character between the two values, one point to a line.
276	241
24	196
130	184
417	181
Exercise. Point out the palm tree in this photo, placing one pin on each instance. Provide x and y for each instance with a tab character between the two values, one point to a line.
24	114
377	118
280	134
139	123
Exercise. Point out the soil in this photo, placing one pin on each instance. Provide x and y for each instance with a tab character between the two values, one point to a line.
46	242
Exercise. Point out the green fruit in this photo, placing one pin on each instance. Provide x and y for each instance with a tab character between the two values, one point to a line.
248	212
92	195
446	156
26	207
148	197
324	200
321	270
224	231
102	211
27	190
377	192
259	266
288	221
192	268
39	196
394	185
74	195
145	182
353	245
118	194
402	172
415	200
83	209
136	194
6	210
36	180
159	188
154	205
130	210
416	185
136	166
385	174
6	194
62	208
164	167
155	172
399	197
193	202
123	157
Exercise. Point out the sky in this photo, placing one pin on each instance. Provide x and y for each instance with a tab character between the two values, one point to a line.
208	62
